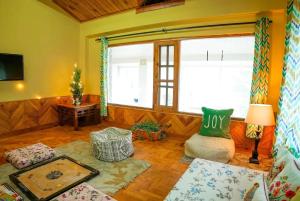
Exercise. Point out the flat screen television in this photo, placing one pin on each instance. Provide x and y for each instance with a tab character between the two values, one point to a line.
11	67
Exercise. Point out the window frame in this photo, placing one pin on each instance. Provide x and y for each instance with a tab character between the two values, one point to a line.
215	36
175	40
157	80
133	106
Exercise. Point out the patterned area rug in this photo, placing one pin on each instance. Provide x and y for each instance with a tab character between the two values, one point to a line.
241	159
113	176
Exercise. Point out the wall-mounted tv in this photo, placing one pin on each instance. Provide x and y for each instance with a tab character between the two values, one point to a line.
11	67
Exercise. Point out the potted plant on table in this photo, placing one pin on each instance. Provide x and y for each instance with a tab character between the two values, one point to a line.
146	130
76	86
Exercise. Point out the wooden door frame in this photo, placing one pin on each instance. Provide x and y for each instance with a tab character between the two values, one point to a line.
156	76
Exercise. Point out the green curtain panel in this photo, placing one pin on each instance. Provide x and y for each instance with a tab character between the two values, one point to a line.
288	120
103	76
260	77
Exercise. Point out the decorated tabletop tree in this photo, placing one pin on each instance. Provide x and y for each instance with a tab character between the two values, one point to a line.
76	86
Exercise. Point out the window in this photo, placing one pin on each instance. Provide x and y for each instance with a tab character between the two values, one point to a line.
210	72
216	73
166	71
130	75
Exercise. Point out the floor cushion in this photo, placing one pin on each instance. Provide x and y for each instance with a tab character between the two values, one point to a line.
213	181
83	192
112	144
210	148
26	156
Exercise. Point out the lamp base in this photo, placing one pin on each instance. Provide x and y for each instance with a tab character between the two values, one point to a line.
254	158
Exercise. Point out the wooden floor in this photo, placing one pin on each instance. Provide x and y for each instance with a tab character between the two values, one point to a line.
153	185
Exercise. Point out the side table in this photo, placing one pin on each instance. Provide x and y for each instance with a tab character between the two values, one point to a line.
89	111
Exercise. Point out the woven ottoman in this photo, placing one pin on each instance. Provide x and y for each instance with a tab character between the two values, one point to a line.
83	192
210	148
112	144
26	156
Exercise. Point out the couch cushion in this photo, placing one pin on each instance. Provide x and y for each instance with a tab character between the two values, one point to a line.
208	180
26	156
215	123
210	148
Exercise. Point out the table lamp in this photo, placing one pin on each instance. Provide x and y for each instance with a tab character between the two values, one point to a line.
259	115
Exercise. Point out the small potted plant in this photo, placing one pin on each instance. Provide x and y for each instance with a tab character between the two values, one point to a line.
76	86
146	130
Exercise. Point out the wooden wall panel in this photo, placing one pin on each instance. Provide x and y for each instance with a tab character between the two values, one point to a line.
186	125
22	116
25	115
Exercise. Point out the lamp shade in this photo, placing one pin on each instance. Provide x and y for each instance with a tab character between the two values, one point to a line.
260	114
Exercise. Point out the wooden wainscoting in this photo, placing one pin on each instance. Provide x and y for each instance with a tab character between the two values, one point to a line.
27	115
33	114
186	125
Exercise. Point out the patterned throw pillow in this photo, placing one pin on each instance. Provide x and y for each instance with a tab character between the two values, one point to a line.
286	183
83	192
215	123
282	157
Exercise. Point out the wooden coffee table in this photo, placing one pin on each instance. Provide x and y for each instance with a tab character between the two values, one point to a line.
49	179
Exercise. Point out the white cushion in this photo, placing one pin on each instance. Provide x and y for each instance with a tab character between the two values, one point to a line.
210	148
212	181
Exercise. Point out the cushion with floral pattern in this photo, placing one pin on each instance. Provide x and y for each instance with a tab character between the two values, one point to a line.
206	180
286	183
83	192
26	156
282	157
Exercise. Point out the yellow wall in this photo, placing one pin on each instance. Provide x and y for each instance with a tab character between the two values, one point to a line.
52	42
194	12
276	57
49	42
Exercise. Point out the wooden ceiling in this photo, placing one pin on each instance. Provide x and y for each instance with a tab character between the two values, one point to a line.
84	10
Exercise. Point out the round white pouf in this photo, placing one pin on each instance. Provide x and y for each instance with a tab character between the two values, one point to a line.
112	144
210	148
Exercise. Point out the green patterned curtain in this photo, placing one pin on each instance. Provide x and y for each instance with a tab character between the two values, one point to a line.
103	76
288	120
260	77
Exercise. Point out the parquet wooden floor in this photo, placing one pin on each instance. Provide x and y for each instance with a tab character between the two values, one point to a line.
153	185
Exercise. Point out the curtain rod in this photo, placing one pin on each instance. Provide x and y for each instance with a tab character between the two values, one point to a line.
164	30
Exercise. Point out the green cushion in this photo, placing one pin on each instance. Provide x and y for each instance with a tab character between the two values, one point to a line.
215	123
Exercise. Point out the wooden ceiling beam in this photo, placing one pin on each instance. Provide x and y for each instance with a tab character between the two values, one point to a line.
84	10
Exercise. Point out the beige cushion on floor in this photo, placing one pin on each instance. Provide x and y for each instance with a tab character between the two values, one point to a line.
210	148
